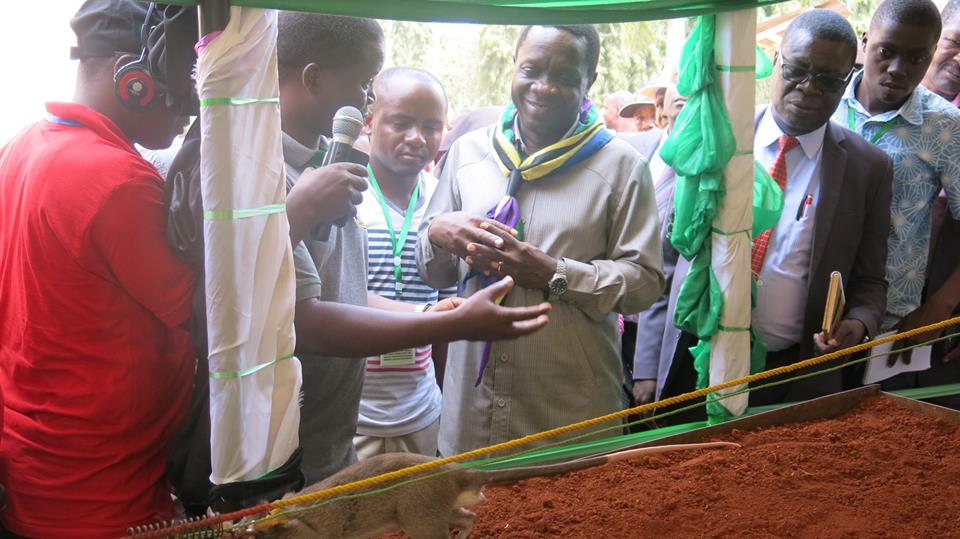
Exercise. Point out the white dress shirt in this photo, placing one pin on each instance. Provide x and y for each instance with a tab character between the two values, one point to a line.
782	286
657	165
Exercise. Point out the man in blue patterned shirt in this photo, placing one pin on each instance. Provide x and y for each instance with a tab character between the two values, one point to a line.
920	131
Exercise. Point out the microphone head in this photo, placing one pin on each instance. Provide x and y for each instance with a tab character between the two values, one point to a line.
347	124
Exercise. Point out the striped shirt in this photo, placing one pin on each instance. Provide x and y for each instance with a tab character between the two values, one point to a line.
398	399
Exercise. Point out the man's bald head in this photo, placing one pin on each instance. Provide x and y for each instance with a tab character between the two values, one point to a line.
823	25
405	122
611	110
394	77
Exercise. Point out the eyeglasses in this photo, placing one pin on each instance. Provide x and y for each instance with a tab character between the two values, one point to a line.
797	75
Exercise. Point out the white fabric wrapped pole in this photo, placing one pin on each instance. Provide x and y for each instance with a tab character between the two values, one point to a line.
730	347
254	378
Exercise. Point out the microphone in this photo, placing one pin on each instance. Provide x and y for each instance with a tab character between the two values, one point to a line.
347	124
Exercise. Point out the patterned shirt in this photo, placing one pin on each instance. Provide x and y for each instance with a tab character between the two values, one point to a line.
923	139
398	399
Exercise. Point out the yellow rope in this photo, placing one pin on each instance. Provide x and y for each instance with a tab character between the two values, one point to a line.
469	455
280	516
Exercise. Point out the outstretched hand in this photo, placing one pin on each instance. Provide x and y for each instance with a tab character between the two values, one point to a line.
483	320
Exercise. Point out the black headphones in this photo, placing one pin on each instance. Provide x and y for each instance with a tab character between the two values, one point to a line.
133	84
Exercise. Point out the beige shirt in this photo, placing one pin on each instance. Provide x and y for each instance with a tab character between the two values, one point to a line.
601	217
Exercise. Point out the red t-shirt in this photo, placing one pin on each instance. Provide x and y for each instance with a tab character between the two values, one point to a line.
95	371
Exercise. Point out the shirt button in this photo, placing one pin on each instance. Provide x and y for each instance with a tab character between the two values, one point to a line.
501	403
504	357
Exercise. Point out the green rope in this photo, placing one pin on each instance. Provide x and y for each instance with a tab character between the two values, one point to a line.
737	69
732	329
235	101
225	215
226	375
716	230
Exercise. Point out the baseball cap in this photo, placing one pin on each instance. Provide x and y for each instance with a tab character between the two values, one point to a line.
106	27
650	90
628	110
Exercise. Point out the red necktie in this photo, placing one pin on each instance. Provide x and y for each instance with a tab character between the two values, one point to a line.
779	173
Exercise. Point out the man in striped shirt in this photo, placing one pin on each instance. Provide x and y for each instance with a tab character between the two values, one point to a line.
400	409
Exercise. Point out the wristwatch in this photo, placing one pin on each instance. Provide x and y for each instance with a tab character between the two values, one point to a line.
558	283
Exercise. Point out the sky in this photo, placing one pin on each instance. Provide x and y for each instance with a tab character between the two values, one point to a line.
35	40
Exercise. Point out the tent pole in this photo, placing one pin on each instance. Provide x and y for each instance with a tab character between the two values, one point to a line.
214	15
730	347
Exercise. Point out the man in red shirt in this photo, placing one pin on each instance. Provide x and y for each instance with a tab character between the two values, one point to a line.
95	369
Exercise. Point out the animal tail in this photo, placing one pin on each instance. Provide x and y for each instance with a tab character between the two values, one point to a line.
512	475
652	450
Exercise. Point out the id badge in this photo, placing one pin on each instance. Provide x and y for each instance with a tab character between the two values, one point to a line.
398	358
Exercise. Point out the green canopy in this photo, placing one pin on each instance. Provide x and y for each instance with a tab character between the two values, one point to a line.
507	11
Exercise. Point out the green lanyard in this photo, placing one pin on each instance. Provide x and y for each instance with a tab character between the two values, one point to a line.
852	122
396	242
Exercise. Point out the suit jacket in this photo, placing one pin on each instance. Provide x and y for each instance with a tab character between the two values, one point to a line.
850	236
647	364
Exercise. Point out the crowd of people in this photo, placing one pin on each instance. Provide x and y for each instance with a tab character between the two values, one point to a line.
468	286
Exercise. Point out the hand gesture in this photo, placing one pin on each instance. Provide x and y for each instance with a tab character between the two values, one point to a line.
483	320
849	332
454	231
325	195
924	315
506	255
954	353
447	304
644	391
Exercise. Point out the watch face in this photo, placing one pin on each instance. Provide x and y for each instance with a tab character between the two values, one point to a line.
558	286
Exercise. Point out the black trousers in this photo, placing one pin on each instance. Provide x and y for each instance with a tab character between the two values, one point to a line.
682	378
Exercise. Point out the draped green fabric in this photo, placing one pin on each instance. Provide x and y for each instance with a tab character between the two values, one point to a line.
699	149
767	200
702	142
508	11
764	64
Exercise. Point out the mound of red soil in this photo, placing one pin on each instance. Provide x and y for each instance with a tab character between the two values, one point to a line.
878	471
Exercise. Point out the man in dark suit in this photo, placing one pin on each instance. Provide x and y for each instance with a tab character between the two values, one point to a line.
837	190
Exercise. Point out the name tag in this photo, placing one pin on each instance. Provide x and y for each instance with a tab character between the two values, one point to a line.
398	358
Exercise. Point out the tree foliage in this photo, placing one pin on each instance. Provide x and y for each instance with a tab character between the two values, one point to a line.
631	55
409	43
475	62
862	10
495	50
